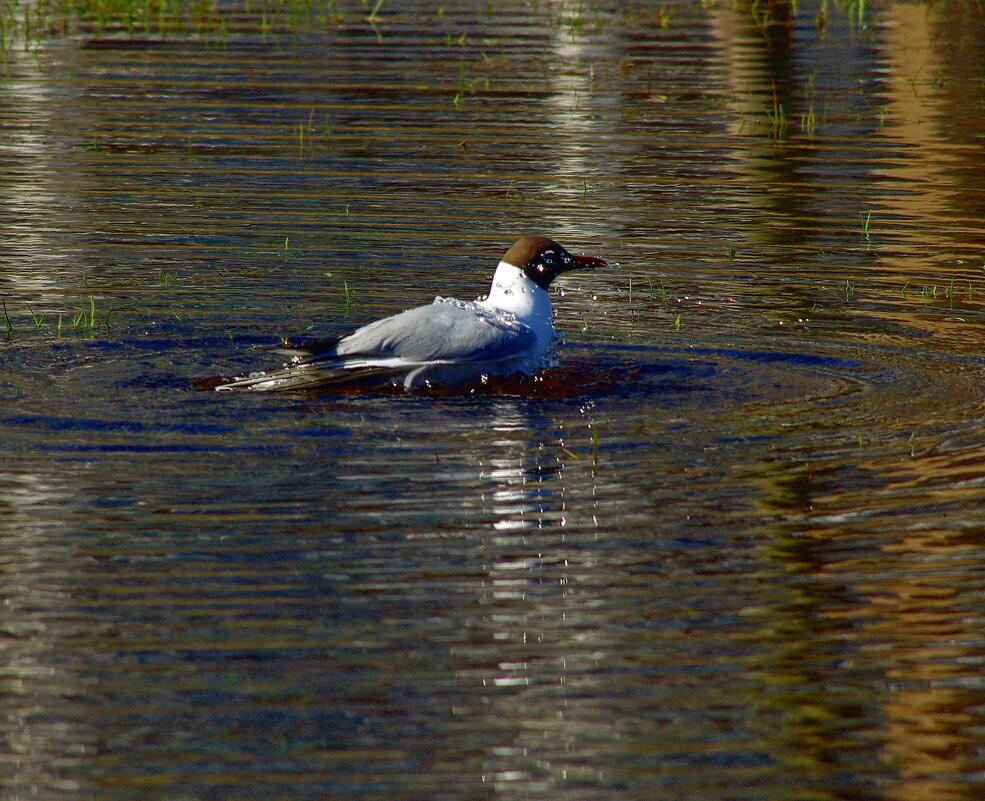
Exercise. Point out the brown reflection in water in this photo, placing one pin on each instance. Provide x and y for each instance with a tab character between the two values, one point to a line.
899	620
870	176
919	614
920	623
758	50
933	78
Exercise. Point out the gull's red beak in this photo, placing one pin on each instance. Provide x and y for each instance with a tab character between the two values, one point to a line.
588	263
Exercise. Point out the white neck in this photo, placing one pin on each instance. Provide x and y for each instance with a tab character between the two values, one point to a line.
512	291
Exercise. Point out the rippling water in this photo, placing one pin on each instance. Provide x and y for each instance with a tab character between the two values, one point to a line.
730	548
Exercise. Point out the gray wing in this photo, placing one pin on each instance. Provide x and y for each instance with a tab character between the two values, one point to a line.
443	331
381	353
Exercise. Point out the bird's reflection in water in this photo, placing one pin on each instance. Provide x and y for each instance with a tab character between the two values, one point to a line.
534	637
523	497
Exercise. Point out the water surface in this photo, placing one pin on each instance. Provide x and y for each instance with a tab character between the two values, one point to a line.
729	548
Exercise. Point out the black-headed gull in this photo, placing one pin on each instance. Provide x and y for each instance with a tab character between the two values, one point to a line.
449	343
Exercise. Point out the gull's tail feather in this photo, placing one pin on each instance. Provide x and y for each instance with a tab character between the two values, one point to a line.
306	377
312	366
320	349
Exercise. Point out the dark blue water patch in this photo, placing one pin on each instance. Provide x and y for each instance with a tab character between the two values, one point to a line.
139	448
52	423
796	359
319	433
179	340
110	345
255	655
800	359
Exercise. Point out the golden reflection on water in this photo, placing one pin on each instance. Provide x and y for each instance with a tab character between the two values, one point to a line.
903	614
929	218
915	622
921	626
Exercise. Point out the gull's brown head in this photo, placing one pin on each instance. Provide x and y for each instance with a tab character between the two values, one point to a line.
543	259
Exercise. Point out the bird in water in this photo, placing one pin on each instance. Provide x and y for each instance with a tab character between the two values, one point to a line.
450	343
